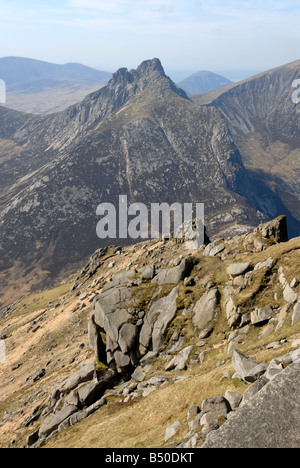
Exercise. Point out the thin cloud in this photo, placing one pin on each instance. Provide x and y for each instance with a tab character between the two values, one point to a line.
116	6
136	10
184	33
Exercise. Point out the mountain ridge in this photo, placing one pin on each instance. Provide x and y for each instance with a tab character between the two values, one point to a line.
31	69
207	98
36	86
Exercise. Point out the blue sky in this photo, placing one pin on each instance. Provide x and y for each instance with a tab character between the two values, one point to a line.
185	34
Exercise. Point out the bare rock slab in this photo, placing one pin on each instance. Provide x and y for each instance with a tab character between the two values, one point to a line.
206	308
52	423
296	314
174	275
262	315
172	431
156	323
238	269
271	419
248	369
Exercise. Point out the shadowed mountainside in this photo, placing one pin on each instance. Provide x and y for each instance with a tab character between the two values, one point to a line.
263	115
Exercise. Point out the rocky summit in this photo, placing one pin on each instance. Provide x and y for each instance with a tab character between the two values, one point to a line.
139	136
156	345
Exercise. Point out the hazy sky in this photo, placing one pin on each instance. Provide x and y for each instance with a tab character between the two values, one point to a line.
185	34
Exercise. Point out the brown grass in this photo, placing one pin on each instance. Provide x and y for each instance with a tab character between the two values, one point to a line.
142	422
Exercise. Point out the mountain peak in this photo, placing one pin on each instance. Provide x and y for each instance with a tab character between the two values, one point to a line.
147	68
126	84
150	66
122	76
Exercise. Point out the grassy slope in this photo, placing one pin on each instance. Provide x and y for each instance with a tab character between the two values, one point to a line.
142	422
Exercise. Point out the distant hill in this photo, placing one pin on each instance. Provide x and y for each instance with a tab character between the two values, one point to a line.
202	82
40	87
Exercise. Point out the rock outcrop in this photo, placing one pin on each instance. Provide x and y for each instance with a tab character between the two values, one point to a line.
206	309
255	419
246	368
72	401
275	229
174	275
157	314
132	335
271	419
